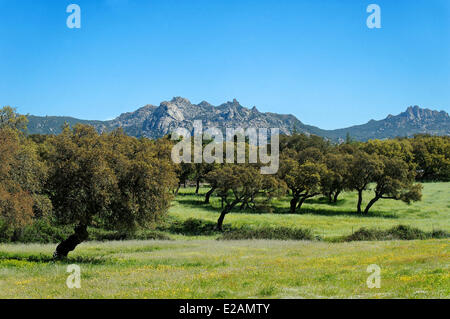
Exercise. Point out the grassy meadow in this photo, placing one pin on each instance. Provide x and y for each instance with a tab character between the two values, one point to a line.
329	220
203	267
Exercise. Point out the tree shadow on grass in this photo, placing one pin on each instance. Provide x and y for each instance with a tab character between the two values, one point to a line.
324	201
320	211
192	202
331	212
184	195
43	258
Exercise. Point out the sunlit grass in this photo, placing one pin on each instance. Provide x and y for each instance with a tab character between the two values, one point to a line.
329	220
202	267
236	269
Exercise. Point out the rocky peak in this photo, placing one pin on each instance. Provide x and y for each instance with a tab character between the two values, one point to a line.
205	104
417	114
156	121
178	100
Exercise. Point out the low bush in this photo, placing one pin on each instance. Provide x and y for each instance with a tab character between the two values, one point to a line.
193	227
44	232
278	233
400	232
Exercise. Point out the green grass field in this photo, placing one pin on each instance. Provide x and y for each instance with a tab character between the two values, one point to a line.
237	269
202	267
329	220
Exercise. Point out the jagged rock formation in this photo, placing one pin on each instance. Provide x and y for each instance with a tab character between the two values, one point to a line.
156	121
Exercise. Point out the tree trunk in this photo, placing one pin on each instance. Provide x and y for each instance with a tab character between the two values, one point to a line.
66	246
208	195
300	203
197	186
225	211
178	189
359	201
336	196
330	199
294	201
220	220
370	204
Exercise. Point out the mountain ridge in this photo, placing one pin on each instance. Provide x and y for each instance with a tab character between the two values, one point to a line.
155	121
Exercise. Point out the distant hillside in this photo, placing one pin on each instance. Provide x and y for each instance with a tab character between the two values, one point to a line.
53	124
156	121
413	121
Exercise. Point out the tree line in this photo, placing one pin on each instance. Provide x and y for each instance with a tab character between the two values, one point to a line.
311	166
82	178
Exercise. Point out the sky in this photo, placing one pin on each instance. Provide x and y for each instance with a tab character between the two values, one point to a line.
317	60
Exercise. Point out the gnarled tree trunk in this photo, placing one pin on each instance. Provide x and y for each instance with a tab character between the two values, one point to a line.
197	186
224	212
301	201
329	196
359	201
293	204
370	204
178	189
208	195
336	196
66	246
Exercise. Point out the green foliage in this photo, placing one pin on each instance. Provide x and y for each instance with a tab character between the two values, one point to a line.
303	173
240	183
432	156
42	231
22	174
194	227
334	182
300	142
400	232
394	180
9	118
111	179
98	234
275	233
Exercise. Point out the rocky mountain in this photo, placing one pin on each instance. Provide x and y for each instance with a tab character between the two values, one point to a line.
414	120
156	121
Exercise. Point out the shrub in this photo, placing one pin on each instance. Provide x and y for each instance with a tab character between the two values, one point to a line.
194	227
439	234
43	231
279	233
151	235
6	232
98	234
400	232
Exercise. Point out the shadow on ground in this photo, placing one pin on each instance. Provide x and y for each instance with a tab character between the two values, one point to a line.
320	211
43	258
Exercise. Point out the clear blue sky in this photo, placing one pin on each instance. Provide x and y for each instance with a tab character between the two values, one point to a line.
314	59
